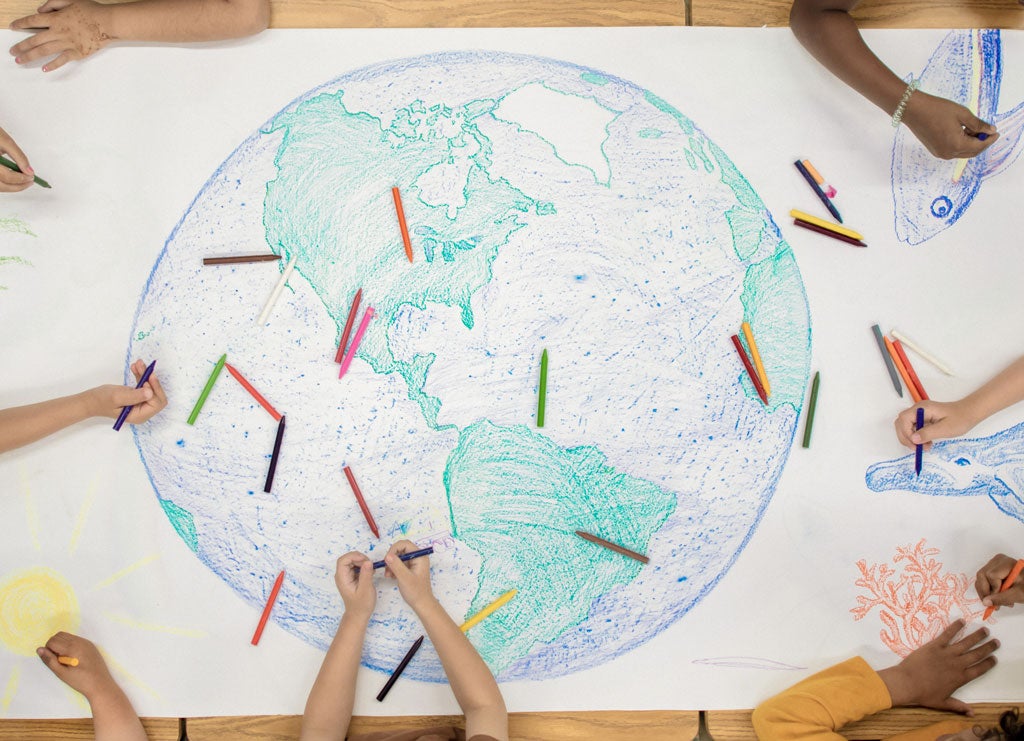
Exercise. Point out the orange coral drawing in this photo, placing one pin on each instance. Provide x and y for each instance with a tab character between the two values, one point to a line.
916	600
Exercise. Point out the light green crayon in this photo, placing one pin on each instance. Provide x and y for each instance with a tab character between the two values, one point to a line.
542	395
206	389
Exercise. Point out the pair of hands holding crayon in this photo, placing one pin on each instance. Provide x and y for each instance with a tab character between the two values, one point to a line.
354	578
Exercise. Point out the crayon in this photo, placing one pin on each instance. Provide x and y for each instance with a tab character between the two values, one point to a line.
613	547
922	352
828	233
408	556
206	389
269	606
809	421
237	259
902	371
399	669
401	222
285	274
255	394
362	502
348	326
888	360
919	449
1007	583
818	191
68	660
750	369
126	410
11	166
752	346
910	369
274	456
487	611
355	341
830	191
797	214
542	389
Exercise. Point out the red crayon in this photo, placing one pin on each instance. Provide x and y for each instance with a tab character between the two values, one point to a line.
401	223
266	610
255	394
348	326
362	502
750	369
910	369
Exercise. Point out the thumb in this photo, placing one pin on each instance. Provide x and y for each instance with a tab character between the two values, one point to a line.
397	567
50	659
935	431
1000	599
974	125
366	574
955	706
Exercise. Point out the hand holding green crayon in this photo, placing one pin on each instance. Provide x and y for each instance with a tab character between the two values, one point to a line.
12	166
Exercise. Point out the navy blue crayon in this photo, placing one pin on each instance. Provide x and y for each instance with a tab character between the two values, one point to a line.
982	136
127	410
408	556
820	193
919	449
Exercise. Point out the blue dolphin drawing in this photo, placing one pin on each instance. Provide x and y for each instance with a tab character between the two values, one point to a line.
964	467
931	194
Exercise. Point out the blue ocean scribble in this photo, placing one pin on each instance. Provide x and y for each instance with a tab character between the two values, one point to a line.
930	194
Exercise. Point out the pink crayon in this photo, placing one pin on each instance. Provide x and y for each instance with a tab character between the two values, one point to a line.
355	341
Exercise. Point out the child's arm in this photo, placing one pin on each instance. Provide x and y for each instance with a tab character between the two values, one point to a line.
989	581
74	29
827	31
23	425
114	719
951	419
472	682
11	181
329	707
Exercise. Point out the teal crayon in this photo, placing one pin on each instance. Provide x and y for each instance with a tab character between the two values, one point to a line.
11	166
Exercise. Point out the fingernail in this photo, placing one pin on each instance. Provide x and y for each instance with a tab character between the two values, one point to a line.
39	652
17	60
30	171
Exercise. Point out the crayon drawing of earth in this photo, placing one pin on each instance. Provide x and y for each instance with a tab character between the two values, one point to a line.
550	206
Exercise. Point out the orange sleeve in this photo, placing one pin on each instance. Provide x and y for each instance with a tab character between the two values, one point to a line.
817	707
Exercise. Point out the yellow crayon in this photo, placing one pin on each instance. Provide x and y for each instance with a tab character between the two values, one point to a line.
484	613
749	334
826	224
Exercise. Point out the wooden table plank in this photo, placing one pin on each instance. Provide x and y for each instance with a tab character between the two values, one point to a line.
75	729
607	726
870	14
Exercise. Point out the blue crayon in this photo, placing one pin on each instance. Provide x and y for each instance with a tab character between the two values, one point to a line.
919	449
408	556
818	191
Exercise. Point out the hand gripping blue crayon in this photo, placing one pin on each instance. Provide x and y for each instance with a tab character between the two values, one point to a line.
408	556
919	449
127	410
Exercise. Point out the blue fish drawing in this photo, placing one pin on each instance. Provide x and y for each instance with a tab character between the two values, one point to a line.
992	467
931	194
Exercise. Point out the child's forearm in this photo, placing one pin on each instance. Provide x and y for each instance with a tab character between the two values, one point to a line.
114	719
184	20
827	31
329	707
1003	391
471	681
23	425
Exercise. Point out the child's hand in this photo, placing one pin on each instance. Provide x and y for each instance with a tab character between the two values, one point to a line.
91	677
107	401
354	577
11	181
66	29
990	580
941	419
946	128
932	673
413	576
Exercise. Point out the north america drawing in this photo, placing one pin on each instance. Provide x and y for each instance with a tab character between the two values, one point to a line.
550	207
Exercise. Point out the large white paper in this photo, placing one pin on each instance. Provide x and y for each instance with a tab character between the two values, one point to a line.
617	196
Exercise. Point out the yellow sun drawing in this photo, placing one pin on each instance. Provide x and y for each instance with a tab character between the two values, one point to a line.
38	601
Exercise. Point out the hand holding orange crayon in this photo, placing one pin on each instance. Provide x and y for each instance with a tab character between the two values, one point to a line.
89	674
999	584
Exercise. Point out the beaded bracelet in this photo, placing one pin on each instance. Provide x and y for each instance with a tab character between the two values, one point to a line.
897	117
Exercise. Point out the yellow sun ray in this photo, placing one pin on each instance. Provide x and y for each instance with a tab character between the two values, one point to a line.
10	688
126	571
154	627
83	513
119	668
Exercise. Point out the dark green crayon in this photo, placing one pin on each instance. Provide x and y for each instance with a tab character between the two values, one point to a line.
809	422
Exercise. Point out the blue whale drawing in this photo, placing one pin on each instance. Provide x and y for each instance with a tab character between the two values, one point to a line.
931	194
984	466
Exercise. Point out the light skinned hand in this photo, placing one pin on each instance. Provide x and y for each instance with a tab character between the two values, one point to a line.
942	419
354	577
66	30
108	400
413	576
931	674
91	677
946	128
11	181
990	579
